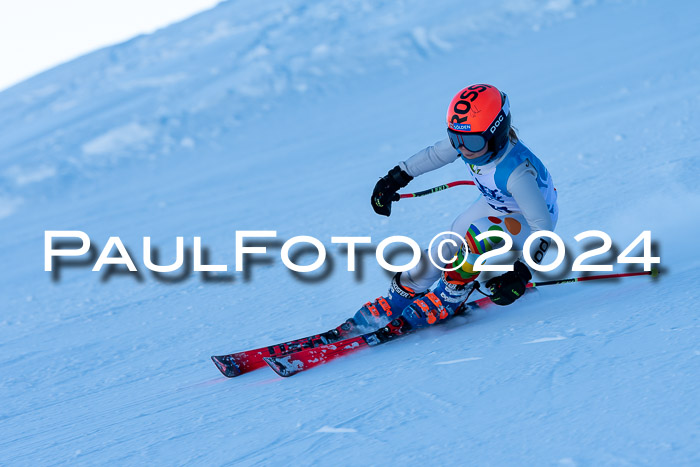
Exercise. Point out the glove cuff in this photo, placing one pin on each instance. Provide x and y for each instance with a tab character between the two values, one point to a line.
397	178
522	271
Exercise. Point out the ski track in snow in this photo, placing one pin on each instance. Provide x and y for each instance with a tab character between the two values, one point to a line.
546	339
281	115
452	362
328	429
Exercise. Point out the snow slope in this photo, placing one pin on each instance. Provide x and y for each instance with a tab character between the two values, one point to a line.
281	116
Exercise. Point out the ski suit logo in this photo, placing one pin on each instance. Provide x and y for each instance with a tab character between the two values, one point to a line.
488	193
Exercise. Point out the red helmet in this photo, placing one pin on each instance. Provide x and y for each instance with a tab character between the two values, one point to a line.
479	115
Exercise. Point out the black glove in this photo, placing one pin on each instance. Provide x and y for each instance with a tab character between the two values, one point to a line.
508	287
385	190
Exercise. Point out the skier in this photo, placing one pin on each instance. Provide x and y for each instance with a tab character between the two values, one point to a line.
517	197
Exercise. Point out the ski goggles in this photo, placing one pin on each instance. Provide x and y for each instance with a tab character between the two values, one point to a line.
475	142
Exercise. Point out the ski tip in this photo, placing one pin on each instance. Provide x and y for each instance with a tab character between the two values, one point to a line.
283	366
227	367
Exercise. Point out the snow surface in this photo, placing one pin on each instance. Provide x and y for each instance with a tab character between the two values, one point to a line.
281	115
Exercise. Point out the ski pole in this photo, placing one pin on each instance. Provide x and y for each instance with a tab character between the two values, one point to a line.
531	285
398	196
653	273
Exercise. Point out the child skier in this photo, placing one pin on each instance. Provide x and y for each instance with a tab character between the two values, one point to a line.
517	197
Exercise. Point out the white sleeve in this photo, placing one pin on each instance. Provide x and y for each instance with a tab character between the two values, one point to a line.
522	184
431	158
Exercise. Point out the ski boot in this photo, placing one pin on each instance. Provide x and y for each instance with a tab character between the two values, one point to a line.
381	311
438	304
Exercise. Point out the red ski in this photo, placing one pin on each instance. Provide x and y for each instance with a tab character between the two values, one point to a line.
293	363
236	364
